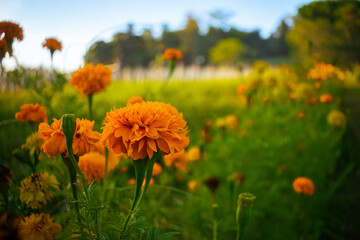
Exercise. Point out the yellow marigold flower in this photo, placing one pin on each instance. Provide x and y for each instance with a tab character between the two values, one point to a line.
301	115
31	113
172	54
241	89
91	79
220	123
193	185
34	190
304	91
326	98
178	160
144	128
33	145
38	227
11	30
231	121
193	154
54	140
134	99
336	118
52	44
304	185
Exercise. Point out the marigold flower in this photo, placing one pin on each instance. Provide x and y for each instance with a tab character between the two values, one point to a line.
3	48
241	89
304	185
11	30
326	98
34	190
300	115
134	99
38	226
336	119
231	121
54	140
193	154
52	44
33	145
132	181
311	101
178	160
157	169
193	185
172	54
144	128
92	165
292	96
91	79
31	113
317	85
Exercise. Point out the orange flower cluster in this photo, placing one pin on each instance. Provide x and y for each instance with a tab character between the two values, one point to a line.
91	79
304	185
326	98
178	160
134	99
323	71
241	89
31	113
54	140
11	30
52	44
144	128
172	54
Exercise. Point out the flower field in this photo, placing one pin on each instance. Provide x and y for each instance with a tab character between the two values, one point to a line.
269	155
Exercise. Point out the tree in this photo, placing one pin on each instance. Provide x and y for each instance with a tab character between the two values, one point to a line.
226	51
327	31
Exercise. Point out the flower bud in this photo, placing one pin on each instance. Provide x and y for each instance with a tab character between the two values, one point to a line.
243	212
68	125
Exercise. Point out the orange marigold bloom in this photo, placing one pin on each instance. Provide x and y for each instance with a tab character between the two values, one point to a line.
317	85
31	113
178	160
193	185
231	121
11	30
38	227
54	140
292	96
134	99
92	164
311	101
241	89
193	154
52	44
144	128
157	169
172	54
304	185
91	79
301	115
326	98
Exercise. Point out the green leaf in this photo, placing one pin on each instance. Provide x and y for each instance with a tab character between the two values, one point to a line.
169	234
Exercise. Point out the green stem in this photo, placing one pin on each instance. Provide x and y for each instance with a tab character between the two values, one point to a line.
72	176
106	164
240	233
90	96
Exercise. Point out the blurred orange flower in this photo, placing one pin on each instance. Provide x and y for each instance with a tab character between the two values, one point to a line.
52	44
231	121
157	169
323	71
292	96
178	160
144	128
193	185
31	113
134	99
38	226
172	54
304	185
326	98
91	79
241	89
193	154
11	30
132	181
54	140
317	85
311	101
300	115
92	164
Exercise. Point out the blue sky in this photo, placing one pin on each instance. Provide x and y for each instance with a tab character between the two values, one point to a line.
77	22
